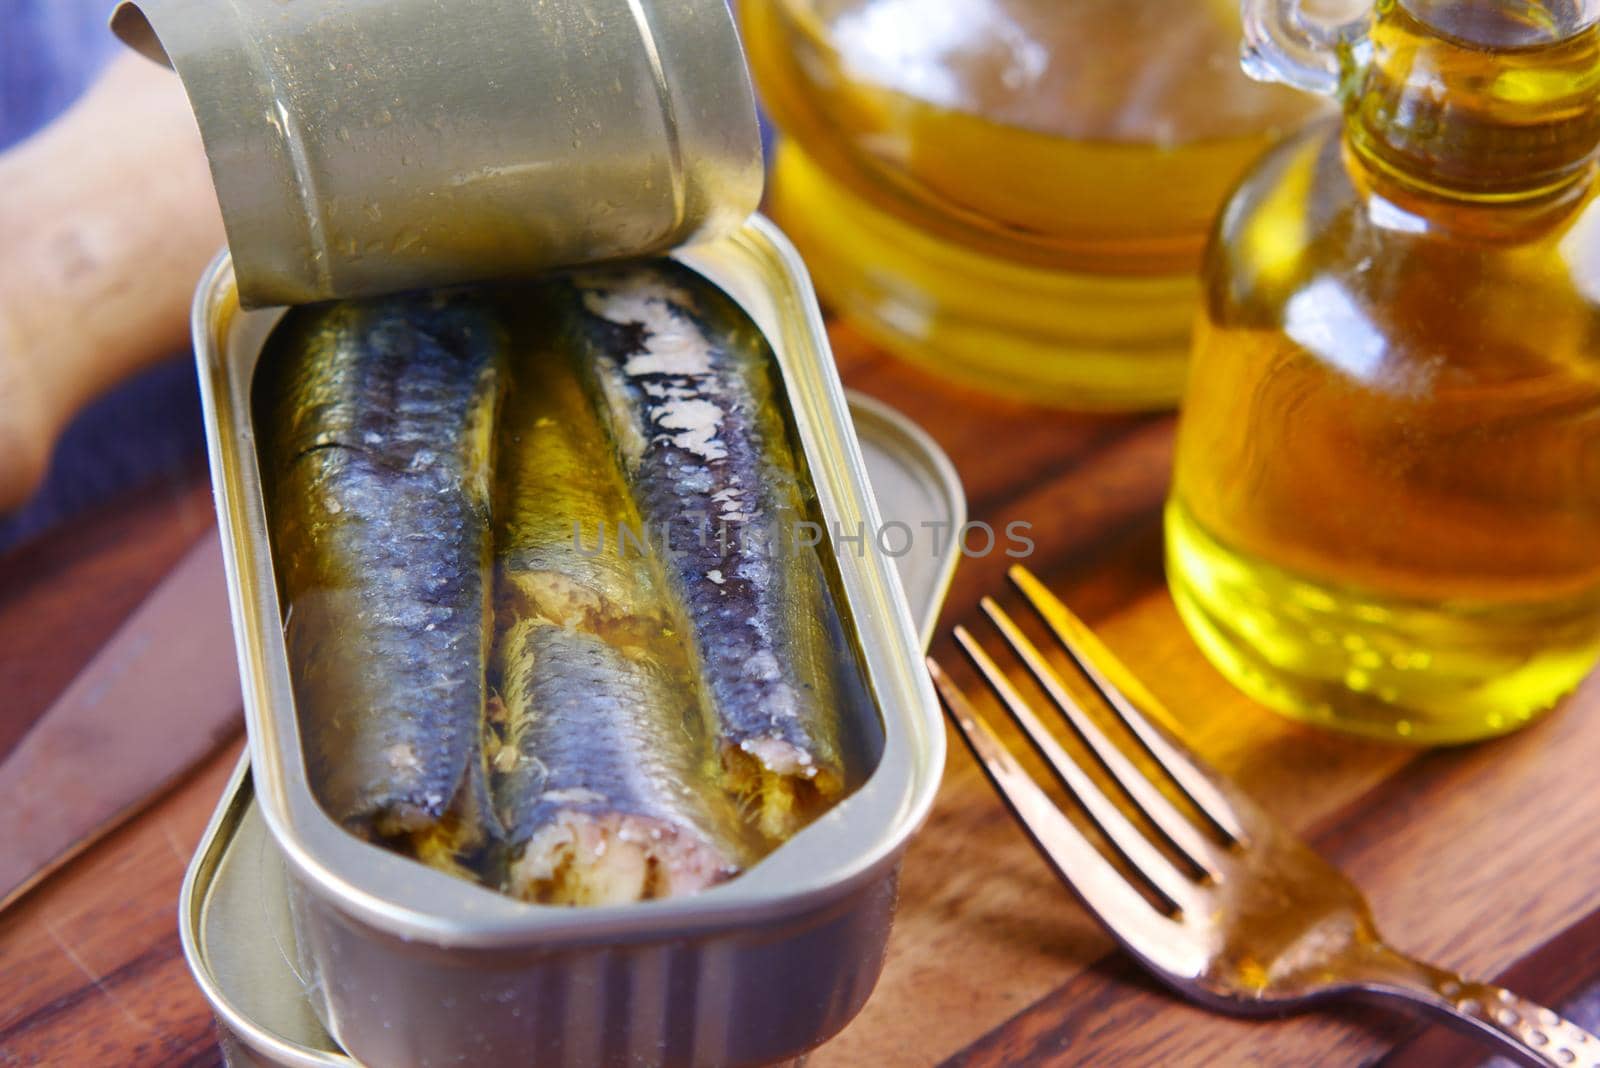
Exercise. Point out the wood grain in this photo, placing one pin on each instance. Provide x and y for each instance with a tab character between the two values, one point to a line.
91	972
63	596
1482	858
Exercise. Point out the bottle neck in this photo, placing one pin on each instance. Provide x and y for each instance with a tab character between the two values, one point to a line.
1477	101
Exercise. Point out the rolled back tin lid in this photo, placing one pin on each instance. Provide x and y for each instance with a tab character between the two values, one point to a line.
369	146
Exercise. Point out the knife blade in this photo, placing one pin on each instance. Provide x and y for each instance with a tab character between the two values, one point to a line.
159	696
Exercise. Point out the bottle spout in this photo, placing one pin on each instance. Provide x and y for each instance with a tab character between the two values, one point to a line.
1501	25
1486	100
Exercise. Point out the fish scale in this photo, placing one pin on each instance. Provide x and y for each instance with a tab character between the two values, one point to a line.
373	416
605	797
605	780
683	378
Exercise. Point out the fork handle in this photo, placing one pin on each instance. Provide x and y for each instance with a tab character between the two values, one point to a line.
1523	1029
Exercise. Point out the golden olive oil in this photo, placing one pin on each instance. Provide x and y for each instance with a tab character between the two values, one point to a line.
1013	192
1386	514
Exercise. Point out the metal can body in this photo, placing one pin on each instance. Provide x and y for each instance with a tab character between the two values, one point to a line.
408	966
360	147
722	996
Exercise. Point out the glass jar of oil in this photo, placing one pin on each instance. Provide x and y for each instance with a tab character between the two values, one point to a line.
1386	510
1013	192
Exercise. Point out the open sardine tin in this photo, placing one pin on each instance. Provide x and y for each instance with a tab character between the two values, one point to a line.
234	916
362	147
413	966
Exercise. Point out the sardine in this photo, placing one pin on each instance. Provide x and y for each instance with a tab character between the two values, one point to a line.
684	381
376	419
605	777
599	787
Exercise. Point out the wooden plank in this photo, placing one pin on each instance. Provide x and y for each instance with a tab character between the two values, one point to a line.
91	971
1477	857
63	595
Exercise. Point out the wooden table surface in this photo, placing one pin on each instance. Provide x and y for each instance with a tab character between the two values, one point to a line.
1484	859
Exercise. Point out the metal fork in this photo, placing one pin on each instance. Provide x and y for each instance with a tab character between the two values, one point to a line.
1204	888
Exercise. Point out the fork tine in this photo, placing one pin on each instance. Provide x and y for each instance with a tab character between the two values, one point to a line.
1127	697
1180	831
1138	850
1096	882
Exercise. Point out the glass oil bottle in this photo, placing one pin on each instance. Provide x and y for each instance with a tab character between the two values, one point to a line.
1013	192
1386	510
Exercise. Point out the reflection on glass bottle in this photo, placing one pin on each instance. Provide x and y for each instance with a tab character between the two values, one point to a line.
1386	514
1015	192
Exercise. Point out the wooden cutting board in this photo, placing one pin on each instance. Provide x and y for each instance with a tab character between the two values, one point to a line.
1481	858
